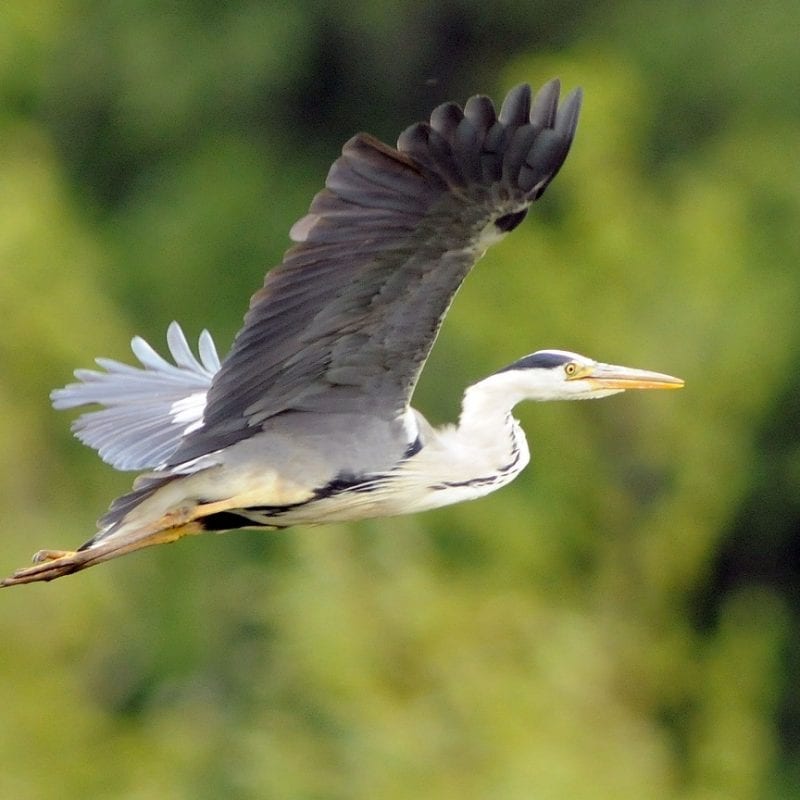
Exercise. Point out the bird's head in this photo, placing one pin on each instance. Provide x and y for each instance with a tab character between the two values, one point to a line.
560	375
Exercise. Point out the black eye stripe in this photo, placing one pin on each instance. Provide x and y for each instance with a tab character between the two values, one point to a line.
544	359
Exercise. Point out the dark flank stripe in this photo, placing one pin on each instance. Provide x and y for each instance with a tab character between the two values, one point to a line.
341	484
486	480
413	449
229	521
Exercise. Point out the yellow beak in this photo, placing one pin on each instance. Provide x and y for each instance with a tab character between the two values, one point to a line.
609	376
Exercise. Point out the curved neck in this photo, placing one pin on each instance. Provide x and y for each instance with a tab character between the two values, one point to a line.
488	403
486	450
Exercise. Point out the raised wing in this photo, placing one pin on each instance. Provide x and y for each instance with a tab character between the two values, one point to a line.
347	320
145	411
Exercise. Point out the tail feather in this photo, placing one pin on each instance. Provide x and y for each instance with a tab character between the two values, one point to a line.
145	411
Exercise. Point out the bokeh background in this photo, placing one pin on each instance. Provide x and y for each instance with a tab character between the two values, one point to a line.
622	622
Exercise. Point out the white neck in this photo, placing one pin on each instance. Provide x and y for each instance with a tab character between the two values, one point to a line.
488	403
486	450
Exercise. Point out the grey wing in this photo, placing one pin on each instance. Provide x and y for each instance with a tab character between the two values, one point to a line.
145	411
345	323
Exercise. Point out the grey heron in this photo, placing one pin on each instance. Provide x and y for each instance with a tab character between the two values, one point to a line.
308	418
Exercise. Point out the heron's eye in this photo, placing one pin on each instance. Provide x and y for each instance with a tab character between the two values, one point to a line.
570	369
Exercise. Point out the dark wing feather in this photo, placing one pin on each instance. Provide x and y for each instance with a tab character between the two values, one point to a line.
346	322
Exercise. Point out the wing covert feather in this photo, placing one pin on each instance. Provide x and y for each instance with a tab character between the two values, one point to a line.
350	315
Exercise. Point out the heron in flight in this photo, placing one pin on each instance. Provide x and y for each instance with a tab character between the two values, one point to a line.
308	418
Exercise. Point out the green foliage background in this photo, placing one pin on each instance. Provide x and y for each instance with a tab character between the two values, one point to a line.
622	622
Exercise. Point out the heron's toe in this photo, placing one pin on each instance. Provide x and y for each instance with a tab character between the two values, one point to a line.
47	564
44	556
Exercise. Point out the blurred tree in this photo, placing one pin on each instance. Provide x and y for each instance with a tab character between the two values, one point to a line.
622	622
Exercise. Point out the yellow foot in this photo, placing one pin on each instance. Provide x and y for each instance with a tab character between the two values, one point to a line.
44	556
48	564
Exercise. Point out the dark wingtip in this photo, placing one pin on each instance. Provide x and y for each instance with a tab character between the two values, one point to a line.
567	117
516	107
479	110
545	105
556	125
445	118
